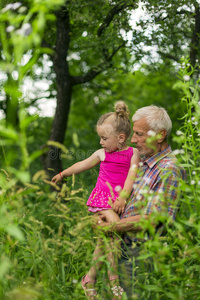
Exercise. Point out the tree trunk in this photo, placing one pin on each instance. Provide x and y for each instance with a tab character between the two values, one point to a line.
194	47
52	159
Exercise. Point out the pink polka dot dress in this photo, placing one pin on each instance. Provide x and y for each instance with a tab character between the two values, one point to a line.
112	175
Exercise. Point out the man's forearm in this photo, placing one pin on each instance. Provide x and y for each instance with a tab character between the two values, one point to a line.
129	224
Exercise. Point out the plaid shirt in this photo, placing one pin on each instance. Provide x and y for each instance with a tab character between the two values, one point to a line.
155	187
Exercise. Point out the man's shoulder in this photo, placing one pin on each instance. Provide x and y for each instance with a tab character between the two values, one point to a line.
171	163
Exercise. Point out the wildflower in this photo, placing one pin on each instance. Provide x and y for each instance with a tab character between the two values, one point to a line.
192	182
196	123
198	182
179	132
193	172
13	6
140	164
151	133
6	8
25	30
187	284
10	28
16	5
186	77
74	280
118	188
22	9
133	167
176	152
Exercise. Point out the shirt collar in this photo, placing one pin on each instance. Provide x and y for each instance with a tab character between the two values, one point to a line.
158	156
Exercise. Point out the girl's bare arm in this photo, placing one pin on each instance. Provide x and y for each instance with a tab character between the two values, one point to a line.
80	166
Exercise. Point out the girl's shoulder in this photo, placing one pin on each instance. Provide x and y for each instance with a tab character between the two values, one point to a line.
101	154
136	154
133	150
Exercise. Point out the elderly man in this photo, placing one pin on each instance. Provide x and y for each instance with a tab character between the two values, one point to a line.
157	179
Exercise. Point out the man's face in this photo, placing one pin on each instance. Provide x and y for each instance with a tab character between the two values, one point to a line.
140	135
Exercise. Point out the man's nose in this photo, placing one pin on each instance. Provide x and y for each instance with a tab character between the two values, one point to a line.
134	139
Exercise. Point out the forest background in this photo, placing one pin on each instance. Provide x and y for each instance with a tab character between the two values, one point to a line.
82	56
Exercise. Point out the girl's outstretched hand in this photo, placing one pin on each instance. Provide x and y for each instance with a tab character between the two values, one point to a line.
57	178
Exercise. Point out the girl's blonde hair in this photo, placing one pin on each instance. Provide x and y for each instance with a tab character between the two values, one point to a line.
119	119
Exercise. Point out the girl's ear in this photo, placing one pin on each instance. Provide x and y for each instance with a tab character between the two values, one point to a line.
163	134
121	138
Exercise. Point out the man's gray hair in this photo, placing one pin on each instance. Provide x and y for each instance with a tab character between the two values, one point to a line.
157	118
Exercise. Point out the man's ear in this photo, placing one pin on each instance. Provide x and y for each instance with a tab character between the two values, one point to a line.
121	138
162	135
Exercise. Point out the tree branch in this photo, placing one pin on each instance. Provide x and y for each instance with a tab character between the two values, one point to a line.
91	74
114	11
110	57
167	55
181	12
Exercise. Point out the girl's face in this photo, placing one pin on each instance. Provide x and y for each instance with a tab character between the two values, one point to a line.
108	139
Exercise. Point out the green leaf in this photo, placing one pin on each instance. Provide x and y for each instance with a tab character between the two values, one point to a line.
5	265
14	231
9	133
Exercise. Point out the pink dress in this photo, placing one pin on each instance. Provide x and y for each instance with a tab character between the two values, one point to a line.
112	175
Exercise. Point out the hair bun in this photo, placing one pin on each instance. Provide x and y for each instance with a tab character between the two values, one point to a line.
121	109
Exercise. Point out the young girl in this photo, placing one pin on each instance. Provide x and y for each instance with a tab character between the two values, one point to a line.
118	166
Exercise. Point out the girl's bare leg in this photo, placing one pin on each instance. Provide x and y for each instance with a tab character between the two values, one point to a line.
112	254
113	248
98	252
